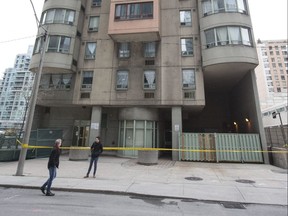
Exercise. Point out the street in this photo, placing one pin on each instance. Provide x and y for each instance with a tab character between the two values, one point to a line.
29	202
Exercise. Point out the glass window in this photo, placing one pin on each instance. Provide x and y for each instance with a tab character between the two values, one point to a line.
185	18
122	80
150	49
210	38
58	15
59	44
226	35
222	36
186	46
188	79
90	50
93	23
96	2
124	50
149	79
87	79
217	6
142	10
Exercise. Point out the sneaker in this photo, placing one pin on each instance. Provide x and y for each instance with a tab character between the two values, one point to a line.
86	176
43	190
50	194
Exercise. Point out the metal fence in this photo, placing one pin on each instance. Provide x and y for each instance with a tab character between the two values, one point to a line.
275	136
217	147
10	148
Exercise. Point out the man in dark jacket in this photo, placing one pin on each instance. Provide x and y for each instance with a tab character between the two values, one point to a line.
53	164
96	150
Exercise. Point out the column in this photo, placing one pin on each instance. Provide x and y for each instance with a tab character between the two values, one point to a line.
95	123
176	128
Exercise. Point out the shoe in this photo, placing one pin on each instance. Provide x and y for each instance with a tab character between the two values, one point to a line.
50	194
43	190
86	176
94	176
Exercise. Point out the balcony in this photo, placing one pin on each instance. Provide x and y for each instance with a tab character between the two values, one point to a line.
134	21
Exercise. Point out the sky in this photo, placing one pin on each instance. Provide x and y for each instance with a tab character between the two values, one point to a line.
19	28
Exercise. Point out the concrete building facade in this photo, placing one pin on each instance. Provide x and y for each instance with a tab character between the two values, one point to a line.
15	91
272	72
139	72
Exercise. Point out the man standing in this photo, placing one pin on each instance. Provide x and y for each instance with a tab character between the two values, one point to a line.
53	164
96	150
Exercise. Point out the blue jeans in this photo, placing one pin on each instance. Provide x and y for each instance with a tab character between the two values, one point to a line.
93	161
52	176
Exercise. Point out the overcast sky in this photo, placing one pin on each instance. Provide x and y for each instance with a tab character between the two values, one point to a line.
17	21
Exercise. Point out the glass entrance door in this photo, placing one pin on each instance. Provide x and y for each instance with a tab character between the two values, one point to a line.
81	133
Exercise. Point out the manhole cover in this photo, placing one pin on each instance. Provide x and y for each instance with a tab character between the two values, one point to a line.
194	178
233	205
245	181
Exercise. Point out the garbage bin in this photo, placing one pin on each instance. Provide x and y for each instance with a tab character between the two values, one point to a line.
147	157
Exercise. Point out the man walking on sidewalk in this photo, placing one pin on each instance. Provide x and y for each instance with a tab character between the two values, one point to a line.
53	165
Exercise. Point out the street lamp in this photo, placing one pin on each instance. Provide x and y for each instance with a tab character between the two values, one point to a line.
274	115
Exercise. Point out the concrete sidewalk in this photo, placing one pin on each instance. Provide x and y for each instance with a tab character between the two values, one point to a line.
232	182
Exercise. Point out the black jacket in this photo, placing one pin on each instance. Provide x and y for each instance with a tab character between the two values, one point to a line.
96	149
54	158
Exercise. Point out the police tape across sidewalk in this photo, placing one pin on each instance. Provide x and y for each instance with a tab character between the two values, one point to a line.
148	149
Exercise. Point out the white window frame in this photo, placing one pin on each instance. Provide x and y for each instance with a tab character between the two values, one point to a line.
185	17
122	82
186	50
149	80
90	51
188	78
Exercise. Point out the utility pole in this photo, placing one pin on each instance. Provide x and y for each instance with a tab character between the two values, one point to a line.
31	109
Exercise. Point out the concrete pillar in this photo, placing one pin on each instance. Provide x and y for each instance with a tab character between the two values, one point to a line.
95	123
258	118
176	128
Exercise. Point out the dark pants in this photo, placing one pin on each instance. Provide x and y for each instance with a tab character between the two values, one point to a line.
94	161
52	176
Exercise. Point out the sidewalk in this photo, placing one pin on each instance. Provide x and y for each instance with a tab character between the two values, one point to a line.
259	183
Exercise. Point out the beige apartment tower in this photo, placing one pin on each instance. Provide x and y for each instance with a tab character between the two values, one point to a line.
139	72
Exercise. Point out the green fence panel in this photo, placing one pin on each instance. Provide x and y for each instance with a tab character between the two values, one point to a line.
227	146
251	147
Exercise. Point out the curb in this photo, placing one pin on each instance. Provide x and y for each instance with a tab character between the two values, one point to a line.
135	195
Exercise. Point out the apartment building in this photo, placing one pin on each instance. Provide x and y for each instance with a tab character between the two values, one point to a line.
15	91
272	72
138	73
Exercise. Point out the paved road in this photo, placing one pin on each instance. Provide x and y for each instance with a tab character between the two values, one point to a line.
29	202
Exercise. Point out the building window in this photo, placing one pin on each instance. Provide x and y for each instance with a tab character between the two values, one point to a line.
58	16
186	46
93	23
188	79
90	50
185	18
150	49
220	6
124	50
226	35
55	81
142	10
96	3
87	80
149	80
38	45
58	44
122	80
